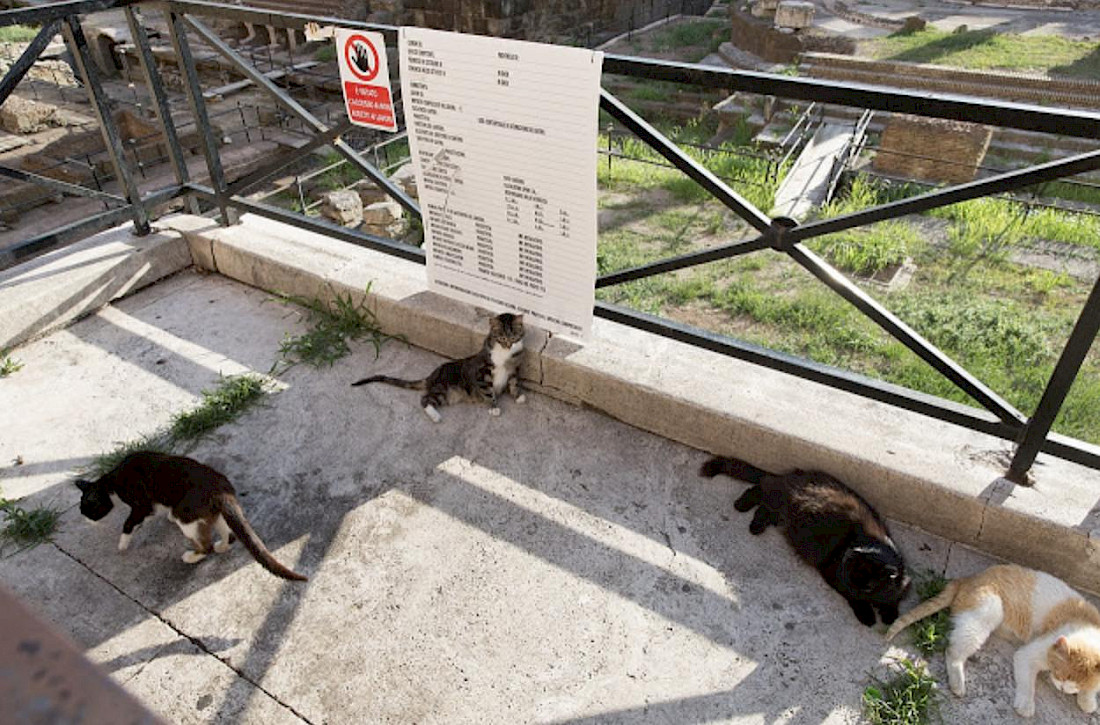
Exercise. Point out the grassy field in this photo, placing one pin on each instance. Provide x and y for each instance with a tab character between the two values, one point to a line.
989	50
17	34
1005	322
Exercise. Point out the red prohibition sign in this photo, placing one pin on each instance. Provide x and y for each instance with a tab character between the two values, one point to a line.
361	61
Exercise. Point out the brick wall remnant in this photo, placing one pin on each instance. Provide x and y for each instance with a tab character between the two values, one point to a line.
932	149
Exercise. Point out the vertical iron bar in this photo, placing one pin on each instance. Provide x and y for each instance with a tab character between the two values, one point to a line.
23	64
155	85
202	119
78	44
1065	371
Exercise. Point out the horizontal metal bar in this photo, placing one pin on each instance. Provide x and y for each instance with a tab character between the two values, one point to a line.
946	410
61	186
691	259
261	175
906	335
319	226
692	168
295	21
38	14
1072	449
26	59
1008	181
1028	117
78	230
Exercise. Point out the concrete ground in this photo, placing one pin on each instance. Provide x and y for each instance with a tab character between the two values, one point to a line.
551	565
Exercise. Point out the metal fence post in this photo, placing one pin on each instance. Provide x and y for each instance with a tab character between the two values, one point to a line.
202	119
78	44
1037	427
153	82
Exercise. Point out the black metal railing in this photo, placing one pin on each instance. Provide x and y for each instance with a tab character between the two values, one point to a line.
187	20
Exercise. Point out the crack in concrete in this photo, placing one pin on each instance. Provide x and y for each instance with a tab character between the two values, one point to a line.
180	633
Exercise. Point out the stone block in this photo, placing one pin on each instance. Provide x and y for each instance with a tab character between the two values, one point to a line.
22	115
794	14
343	207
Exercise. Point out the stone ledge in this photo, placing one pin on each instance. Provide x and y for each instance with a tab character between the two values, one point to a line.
930	474
55	289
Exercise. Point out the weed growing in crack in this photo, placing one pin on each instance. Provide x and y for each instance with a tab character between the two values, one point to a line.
228	401
930	634
332	325
908	697
8	365
27	528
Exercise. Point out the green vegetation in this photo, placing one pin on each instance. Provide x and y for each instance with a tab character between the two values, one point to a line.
17	34
9	365
988	49
701	37
930	634
233	396
908	697
325	53
26	529
332	325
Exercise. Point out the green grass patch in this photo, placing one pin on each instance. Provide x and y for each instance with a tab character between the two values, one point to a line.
332	326
988	49
17	34
227	402
907	697
26	528
325	53
702	35
930	635
9	365
866	250
232	397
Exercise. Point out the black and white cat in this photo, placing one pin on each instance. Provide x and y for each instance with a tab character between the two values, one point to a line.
831	528
201	501
480	377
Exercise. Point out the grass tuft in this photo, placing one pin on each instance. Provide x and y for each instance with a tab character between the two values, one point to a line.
233	396
908	697
332	326
8	365
17	34
26	529
930	635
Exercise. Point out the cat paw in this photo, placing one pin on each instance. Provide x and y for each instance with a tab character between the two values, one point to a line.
956	681
221	547
124	542
1086	702
1024	709
192	557
522	398
495	412
432	414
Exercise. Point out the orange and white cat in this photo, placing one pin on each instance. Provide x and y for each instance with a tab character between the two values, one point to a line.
1061	630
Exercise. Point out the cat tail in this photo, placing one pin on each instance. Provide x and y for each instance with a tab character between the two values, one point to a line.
398	382
238	524
733	468
925	608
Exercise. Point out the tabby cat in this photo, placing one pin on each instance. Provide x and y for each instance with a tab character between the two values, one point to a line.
1061	630
197	498
480	377
831	528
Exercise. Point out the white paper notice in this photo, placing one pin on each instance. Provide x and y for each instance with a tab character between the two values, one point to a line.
503	140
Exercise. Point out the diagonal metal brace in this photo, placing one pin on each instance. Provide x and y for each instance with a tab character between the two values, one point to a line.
62	186
30	54
696	171
295	108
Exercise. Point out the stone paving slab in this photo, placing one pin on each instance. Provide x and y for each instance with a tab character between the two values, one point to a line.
551	565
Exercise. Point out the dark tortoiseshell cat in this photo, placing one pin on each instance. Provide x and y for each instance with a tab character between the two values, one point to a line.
831	528
480	377
201	501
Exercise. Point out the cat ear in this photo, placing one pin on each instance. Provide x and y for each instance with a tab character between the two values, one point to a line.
517	318
82	484
1062	645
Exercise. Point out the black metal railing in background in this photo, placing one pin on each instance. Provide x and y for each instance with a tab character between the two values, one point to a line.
999	418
